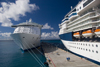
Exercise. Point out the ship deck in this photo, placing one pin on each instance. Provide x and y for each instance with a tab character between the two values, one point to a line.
58	57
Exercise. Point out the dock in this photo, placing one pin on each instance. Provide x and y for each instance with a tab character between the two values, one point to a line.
57	57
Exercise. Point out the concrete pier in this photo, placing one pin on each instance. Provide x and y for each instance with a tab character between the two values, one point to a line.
58	57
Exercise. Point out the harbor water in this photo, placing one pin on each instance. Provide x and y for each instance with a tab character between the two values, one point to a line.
12	56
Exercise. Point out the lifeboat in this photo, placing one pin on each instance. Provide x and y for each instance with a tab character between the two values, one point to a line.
77	35
97	32
87	33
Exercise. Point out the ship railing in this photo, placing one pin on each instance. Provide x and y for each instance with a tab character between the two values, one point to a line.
32	53
82	20
86	13
80	17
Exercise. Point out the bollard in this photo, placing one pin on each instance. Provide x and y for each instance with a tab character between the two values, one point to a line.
68	58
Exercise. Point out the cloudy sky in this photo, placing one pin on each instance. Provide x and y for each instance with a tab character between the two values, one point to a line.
45	12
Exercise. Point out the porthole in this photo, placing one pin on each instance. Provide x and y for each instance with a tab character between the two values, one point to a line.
92	45
86	44
96	45
92	50
86	49
89	50
81	48
23	37
80	7
96	51
89	44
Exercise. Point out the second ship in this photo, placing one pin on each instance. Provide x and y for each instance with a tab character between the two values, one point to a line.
27	35
80	29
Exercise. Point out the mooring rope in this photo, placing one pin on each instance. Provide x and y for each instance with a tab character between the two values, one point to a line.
35	55
32	55
36	48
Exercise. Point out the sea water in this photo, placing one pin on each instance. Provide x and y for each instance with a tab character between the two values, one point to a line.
12	56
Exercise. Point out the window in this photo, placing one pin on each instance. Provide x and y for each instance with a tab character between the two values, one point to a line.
92	45
77	9
92	50
96	45
96	51
87	2
80	7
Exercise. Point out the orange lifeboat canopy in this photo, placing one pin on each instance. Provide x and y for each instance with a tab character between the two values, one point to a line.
84	32
87	33
77	35
97	30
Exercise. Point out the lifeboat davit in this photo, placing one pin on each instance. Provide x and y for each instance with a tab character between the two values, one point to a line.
97	32
87	33
77	35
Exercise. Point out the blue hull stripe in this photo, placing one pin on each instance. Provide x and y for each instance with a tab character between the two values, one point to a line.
66	36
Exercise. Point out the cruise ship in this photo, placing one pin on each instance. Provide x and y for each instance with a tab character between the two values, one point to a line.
27	34
80	29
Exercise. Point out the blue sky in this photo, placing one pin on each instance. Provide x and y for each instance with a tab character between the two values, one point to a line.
45	12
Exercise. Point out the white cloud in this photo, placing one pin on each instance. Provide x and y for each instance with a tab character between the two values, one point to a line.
14	11
6	34
52	35
46	26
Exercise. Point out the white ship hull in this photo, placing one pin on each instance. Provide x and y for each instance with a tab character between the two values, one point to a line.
87	49
26	41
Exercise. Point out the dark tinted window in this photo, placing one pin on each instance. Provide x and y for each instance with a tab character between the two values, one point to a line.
87	2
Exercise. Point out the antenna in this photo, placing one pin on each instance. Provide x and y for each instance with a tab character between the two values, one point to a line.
71	7
30	20
26	20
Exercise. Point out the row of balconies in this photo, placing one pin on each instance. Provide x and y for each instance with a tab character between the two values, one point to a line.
80	18
85	26
93	16
84	15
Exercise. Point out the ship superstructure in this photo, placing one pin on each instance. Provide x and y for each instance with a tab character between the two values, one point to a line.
27	35
80	29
